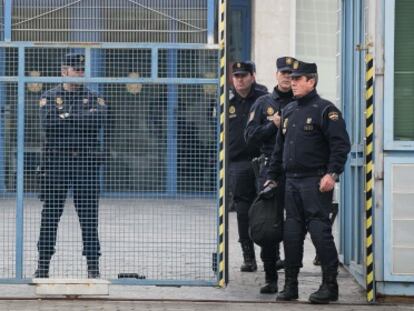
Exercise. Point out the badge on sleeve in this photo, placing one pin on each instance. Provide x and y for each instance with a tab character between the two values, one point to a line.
232	112
42	102
333	115
270	111
101	102
59	102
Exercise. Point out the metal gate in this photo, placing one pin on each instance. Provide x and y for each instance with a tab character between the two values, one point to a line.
353	69
158	203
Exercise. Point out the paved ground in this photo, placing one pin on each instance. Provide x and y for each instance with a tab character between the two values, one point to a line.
242	293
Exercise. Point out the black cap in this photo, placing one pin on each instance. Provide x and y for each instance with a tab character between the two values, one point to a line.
285	63
75	60
253	65
242	67
302	68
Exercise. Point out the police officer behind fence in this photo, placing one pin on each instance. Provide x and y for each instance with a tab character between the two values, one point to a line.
72	117
262	127
241	176
311	149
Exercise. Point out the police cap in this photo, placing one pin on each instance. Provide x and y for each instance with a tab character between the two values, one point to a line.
253	65
285	63
75	60
301	68
242	68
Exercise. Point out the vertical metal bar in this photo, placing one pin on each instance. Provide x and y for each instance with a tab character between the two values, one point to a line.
210	21
7	20
172	101
369	178
222	221
154	63
346	185
2	121
20	167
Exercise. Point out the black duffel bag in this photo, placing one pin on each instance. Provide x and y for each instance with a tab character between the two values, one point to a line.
266	218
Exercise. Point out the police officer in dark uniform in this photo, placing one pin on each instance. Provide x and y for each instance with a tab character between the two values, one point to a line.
72	117
262	127
241	177
311	150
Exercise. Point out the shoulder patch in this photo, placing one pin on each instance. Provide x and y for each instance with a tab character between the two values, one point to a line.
101	101
42	102
270	111
333	115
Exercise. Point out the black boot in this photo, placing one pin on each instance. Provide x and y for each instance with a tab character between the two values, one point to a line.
93	268
316	261
328	291
43	265
271	278
280	264
249	264
290	290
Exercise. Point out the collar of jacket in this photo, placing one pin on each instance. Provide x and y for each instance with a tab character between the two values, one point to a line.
276	94
307	98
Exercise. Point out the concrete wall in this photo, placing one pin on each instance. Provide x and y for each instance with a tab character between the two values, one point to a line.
273	35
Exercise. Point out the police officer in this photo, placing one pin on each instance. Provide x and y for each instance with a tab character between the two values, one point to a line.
242	180
311	149
72	117
262	127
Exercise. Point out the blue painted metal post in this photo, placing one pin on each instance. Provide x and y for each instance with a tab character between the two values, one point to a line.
7	37
172	103
2	121
7	20
346	184
20	168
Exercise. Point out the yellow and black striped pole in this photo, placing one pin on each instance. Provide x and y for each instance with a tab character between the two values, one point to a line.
222	146
369	177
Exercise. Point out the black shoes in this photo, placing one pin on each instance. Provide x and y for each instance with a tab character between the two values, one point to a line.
41	274
269	288
328	291
93	268
290	290
249	257
43	265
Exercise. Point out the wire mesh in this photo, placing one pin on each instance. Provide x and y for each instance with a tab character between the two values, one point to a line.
188	63
110	20
131	168
8	152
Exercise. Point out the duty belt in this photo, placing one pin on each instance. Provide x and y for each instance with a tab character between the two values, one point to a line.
313	173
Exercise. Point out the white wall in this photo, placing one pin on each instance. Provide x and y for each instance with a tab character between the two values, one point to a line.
306	29
272	36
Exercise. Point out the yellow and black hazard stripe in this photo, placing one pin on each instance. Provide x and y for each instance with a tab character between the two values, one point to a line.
369	177
222	158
